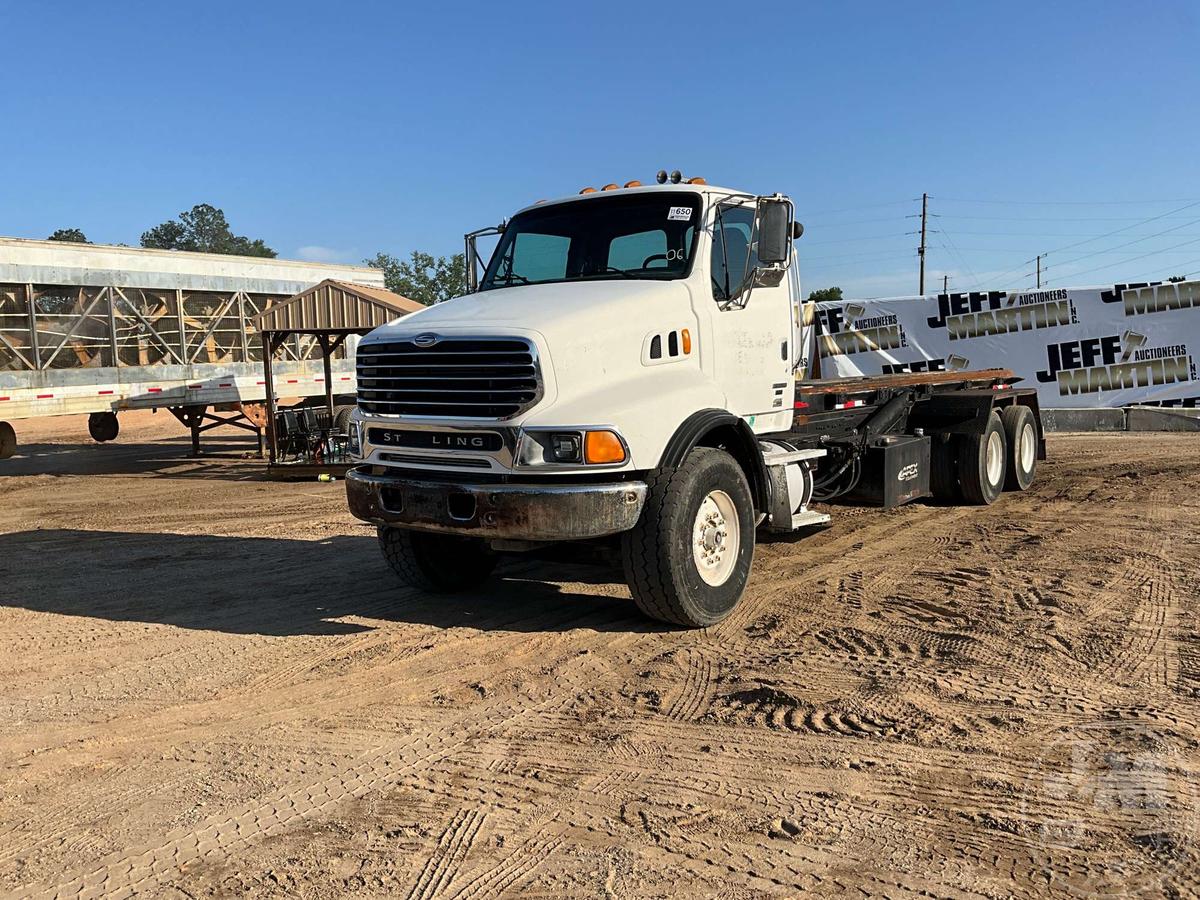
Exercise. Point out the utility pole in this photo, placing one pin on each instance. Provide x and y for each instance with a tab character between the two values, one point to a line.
1039	271
921	249
945	284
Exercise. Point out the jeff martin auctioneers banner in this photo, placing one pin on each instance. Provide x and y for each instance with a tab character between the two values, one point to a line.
1108	346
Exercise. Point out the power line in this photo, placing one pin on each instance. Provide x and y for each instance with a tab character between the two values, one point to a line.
873	237
1122	262
832	212
1119	246
1127	227
1049	218
1066	202
1110	234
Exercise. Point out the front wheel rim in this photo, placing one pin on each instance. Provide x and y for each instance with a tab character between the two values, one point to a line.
716	538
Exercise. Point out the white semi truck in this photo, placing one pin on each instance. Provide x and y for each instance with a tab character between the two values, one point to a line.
628	375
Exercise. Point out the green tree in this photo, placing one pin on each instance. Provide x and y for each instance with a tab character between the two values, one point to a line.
425	278
203	229
69	236
826	294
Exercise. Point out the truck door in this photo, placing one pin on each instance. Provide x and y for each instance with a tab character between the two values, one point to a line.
752	326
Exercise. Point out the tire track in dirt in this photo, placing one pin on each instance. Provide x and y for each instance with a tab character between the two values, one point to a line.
452	849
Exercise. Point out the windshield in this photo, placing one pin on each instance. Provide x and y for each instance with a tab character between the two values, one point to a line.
644	236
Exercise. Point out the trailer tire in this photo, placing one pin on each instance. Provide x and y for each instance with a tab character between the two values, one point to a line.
1020	428
943	468
8	440
982	463
341	419
688	558
436	563
103	427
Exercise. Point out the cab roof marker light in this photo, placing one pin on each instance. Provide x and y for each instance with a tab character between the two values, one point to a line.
634	183
588	190
696	180
610	187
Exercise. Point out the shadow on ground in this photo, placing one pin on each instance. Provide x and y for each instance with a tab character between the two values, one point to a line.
278	586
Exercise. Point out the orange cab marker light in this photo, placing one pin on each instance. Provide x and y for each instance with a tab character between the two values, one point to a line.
610	187
603	447
588	190
633	184
696	181
687	341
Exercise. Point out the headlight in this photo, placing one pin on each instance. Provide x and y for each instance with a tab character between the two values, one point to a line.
591	447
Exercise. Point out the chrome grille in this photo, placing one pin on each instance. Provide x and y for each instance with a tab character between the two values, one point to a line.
474	378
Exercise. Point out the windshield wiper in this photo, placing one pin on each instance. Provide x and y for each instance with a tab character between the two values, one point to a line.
510	277
624	273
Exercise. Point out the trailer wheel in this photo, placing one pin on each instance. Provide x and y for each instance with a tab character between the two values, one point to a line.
341	419
8	440
688	558
943	468
103	426
437	563
1020	429
982	463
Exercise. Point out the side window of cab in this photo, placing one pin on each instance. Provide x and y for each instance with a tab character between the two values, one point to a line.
733	253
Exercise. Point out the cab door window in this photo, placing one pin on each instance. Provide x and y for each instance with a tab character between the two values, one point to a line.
733	250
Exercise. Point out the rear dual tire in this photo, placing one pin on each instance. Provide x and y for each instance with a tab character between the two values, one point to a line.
982	463
977	468
1020	429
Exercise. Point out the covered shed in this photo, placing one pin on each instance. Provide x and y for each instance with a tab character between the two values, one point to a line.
329	312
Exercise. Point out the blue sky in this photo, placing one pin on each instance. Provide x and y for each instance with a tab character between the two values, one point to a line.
334	130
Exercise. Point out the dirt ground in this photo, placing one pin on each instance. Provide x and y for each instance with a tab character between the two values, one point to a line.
210	685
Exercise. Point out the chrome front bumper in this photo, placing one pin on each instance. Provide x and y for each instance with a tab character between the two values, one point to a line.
528	512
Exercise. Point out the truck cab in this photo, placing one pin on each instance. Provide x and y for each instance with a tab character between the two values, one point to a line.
622	374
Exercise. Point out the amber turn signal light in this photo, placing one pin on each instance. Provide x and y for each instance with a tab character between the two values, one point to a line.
687	341
603	447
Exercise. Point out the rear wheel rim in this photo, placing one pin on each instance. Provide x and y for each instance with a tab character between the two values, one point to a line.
1027	448
716	538
994	459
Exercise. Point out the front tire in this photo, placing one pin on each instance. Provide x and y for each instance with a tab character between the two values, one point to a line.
436	563
688	558
982	462
1020	428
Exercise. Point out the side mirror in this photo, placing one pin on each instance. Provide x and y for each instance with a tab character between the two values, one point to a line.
774	231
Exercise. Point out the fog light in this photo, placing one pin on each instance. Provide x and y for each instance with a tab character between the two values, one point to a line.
355	436
565	447
603	447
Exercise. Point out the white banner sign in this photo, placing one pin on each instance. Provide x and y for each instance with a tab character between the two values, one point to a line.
1111	347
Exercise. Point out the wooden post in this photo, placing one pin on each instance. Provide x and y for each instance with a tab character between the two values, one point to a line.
33	335
112	328
268	354
326	346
